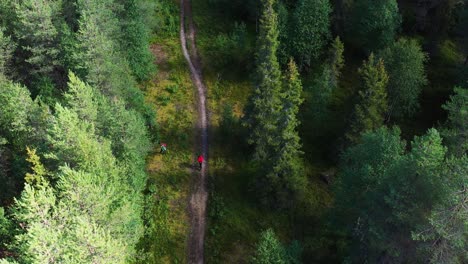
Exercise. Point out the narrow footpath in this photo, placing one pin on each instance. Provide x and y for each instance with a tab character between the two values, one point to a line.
199	195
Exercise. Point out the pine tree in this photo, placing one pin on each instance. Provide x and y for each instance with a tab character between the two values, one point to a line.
310	30
38	37
265	104
370	111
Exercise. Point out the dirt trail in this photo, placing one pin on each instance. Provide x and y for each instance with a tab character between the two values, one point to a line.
199	195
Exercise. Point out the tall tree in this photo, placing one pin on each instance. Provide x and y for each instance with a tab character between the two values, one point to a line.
376	196
445	236
310	30
134	40
264	109
404	61
286	176
372	24
324	85
456	131
38	37
6	51
370	111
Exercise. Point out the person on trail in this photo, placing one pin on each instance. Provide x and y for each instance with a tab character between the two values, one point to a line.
200	160
163	148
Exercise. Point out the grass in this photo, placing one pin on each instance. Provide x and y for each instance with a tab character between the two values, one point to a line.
171	93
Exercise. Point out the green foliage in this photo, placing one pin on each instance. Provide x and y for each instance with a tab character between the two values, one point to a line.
375	192
269	250
324	85
39	171
166	22
6	228
337	61
444	237
287	176
6	50
265	104
372	25
370	110
404	61
457	126
37	37
310	30
230	48
135	39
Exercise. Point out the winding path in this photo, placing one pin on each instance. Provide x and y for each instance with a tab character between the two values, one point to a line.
199	195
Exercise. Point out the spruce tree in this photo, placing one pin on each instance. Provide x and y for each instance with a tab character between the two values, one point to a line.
265	105
456	130
287	175
369	113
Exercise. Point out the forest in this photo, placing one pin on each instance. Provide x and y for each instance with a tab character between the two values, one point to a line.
330	131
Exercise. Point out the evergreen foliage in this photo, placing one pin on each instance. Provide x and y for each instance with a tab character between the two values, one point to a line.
444	237
324	85
6	51
37	37
310	30
404	61
456	132
287	176
265	104
372	25
135	39
376	192
369	113
269	250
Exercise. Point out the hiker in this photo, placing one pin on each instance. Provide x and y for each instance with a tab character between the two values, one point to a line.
200	160
163	148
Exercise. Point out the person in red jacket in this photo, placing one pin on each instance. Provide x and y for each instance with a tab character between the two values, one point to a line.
200	160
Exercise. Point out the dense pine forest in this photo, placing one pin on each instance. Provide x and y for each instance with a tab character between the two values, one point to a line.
337	131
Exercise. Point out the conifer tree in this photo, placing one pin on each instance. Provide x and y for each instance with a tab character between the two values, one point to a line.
38	37
269	250
287	175
376	197
265	104
324	85
370	111
134	41
456	132
404	61
6	50
372	24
